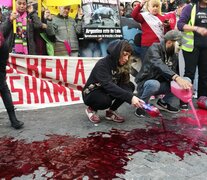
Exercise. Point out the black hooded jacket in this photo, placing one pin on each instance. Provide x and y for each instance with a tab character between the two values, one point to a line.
105	73
157	66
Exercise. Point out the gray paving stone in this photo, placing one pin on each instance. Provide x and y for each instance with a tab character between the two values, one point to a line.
202	176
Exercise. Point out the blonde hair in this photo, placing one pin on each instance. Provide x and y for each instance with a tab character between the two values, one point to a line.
154	2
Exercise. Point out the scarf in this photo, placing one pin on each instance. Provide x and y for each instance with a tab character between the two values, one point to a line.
155	24
20	43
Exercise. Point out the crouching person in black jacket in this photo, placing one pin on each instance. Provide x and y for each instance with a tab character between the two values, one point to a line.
4	90
108	85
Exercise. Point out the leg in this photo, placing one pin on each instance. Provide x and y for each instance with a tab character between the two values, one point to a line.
4	90
85	49
202	72
98	100
111	114
151	87
118	102
74	53
165	103
7	99
96	49
191	61
165	89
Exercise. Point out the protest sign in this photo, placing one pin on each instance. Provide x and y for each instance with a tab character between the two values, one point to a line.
101	19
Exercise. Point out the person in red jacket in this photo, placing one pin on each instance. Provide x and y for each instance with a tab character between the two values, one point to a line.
4	90
154	24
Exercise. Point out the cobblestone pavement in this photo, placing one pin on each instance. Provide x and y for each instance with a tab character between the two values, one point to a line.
143	165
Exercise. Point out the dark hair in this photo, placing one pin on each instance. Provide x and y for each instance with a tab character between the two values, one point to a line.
126	47
121	4
134	2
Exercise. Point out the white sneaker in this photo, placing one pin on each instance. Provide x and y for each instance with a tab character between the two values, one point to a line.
92	115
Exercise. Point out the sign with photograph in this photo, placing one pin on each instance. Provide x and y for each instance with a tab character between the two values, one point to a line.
101	19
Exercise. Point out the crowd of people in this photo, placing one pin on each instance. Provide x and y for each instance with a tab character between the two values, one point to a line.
162	27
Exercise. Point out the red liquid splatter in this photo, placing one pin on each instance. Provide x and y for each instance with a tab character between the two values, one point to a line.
195	114
102	155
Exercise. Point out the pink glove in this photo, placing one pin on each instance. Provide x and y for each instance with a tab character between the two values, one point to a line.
67	46
1	39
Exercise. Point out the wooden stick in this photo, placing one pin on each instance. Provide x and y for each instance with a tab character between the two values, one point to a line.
14	21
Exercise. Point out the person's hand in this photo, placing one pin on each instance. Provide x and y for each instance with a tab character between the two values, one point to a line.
136	102
185	84
166	24
13	16
143	2
202	31
44	26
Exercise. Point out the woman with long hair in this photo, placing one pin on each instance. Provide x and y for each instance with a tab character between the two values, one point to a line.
108	85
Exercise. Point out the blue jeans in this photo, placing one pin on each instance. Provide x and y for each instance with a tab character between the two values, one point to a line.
154	87
104	45
90	49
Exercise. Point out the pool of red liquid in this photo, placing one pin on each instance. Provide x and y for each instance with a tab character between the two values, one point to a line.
101	155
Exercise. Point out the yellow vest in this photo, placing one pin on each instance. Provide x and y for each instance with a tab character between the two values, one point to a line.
188	37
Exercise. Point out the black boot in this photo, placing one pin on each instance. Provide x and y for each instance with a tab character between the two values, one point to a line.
7	99
16	124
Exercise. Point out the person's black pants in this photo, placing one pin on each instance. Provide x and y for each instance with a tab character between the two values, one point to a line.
4	90
6	96
198	57
100	100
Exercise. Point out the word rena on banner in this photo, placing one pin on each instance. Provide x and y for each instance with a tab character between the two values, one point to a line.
38	68
38	90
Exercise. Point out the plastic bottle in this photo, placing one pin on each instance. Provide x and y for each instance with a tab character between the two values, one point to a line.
183	94
202	102
151	110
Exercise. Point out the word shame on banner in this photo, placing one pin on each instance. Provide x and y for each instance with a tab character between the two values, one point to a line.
43	81
101	19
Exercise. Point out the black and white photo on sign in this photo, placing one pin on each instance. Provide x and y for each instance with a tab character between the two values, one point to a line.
101	19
